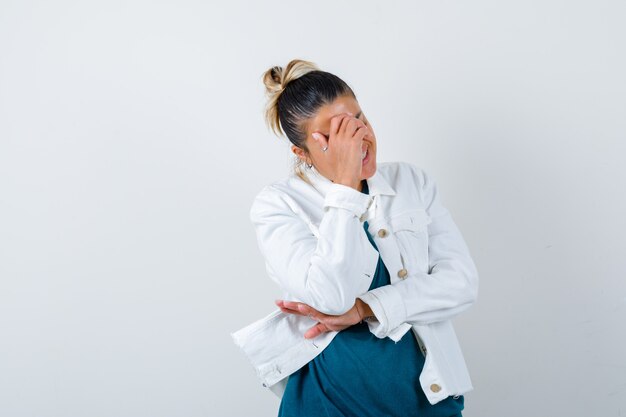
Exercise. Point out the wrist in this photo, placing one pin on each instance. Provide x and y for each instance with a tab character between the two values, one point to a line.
364	311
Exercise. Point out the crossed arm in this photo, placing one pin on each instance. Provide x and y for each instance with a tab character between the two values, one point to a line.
328	274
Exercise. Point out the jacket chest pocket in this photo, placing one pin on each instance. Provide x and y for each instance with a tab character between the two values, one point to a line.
410	229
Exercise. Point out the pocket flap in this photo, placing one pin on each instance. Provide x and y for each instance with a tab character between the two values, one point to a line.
414	220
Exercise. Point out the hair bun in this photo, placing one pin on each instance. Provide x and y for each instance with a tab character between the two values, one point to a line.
273	80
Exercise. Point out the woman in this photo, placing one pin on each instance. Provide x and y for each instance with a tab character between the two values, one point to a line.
363	253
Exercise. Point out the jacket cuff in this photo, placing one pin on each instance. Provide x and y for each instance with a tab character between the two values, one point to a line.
388	306
348	198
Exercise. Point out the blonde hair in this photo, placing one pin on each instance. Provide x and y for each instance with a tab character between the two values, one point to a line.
294	95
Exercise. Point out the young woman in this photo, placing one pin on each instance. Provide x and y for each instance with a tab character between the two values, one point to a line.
364	252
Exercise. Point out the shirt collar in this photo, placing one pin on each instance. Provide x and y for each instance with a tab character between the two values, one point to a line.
376	183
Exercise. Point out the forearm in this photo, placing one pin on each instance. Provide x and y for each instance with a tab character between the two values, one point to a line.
338	268
327	270
364	309
449	289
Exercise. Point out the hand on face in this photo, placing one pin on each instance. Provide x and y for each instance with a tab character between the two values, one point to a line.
344	148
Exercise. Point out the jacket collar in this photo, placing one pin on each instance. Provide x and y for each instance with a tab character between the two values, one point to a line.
376	183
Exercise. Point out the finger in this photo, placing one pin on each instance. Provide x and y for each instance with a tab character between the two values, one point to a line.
335	123
315	331
351	127
300	308
360	123
310	311
288	307
361	132
344	124
288	310
368	132
321	139
291	304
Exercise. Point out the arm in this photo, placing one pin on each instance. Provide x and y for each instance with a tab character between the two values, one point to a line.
450	287
364	310
328	272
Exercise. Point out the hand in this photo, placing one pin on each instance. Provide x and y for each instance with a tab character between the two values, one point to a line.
326	323
344	148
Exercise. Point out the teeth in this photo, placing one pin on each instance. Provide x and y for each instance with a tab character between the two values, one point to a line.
364	154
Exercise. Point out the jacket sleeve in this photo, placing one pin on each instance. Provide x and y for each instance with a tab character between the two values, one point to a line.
451	284
326	272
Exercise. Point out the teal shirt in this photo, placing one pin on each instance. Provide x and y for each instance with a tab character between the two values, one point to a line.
358	374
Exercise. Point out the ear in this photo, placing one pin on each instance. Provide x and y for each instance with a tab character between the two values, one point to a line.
298	152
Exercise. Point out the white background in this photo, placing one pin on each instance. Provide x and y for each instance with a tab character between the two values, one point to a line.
132	142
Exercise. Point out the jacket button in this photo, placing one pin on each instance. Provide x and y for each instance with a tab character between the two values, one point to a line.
402	273
382	233
435	388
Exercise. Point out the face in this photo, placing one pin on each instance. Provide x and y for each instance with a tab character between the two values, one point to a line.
321	123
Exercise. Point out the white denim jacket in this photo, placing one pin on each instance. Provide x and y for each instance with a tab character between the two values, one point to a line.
315	248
